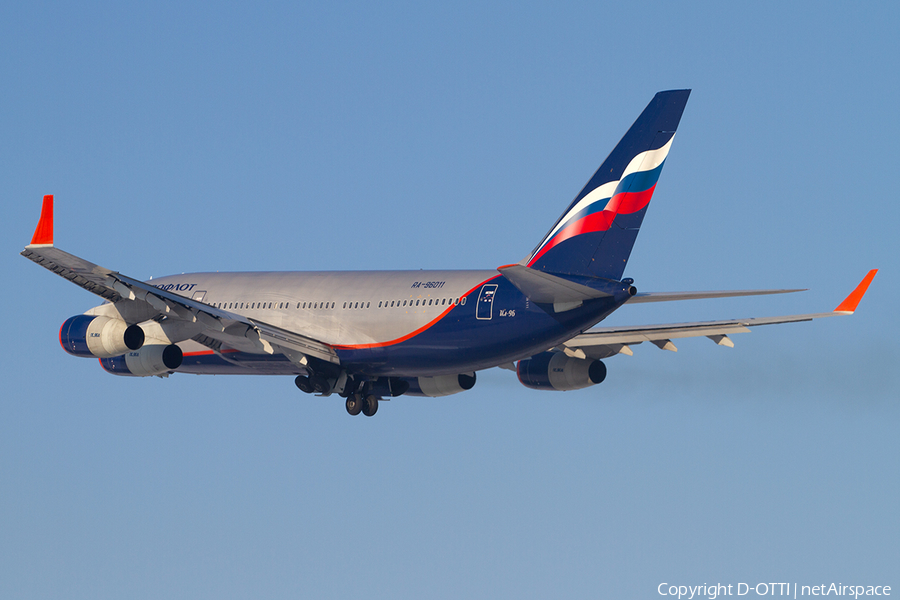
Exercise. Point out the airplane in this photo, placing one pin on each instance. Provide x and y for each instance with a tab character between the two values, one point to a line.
370	336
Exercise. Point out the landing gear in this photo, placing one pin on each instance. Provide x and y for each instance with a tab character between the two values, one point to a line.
367	405
304	384
362	393
319	384
370	406
354	404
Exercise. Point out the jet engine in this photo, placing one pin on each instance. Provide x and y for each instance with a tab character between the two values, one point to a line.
152	359
556	371
441	385
100	337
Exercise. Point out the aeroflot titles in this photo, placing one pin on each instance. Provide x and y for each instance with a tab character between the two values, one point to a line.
178	287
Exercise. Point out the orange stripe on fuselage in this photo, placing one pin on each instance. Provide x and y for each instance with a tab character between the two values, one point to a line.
421	329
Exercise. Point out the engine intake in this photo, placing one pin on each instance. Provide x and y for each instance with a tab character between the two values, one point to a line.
556	371
100	337
153	359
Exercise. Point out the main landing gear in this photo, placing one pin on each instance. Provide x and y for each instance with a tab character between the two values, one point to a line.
367	405
362	396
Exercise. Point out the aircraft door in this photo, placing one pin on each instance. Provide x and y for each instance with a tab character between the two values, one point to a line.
485	307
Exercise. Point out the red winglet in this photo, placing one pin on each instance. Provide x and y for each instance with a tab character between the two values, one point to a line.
852	301
44	232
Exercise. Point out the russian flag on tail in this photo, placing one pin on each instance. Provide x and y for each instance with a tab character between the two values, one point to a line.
595	235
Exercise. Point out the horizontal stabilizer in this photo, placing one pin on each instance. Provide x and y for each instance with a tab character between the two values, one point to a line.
544	288
641	297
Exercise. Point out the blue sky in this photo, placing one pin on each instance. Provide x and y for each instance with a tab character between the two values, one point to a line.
197	137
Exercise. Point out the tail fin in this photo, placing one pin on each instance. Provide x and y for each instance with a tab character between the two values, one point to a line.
595	235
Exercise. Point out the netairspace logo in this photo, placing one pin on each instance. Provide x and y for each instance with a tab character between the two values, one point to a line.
794	590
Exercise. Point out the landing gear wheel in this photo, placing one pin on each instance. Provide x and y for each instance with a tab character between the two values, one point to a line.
304	384
354	404
319	384
370	406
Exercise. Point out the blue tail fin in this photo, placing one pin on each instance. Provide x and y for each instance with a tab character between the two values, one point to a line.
595	235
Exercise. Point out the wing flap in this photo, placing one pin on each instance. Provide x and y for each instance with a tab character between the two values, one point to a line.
295	342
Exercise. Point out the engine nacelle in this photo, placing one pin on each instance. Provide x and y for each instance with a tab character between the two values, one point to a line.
100	337
441	385
556	371
152	359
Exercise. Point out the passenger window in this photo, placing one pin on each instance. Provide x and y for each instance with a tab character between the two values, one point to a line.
368	304
345	305
463	301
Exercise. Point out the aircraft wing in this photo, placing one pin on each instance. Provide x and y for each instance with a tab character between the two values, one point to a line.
151	302
602	342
